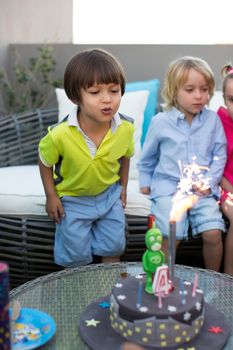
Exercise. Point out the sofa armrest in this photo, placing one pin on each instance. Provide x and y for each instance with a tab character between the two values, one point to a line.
21	133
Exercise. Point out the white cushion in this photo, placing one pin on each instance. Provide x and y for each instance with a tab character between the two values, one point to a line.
137	203
216	101
133	104
22	193
65	106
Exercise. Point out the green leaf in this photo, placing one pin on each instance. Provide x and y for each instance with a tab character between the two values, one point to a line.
32	83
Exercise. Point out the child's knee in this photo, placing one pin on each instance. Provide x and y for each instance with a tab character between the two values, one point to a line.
212	236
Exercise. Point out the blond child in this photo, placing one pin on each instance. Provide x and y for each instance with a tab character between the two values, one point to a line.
186	130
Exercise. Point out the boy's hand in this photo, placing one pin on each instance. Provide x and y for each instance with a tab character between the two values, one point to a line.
145	190
201	191
54	208
204	192
123	197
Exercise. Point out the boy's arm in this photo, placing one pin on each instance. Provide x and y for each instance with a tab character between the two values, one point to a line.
219	156
124	175
54	206
226	185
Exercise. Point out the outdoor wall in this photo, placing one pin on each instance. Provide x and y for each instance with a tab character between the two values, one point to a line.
142	61
33	21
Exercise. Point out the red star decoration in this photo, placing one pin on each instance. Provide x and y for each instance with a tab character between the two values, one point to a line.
215	330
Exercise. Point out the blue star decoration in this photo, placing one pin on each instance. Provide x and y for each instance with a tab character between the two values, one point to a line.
104	304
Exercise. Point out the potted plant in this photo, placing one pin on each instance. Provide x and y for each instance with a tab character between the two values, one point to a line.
32	85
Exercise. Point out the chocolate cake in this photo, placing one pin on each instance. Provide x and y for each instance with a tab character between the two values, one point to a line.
182	320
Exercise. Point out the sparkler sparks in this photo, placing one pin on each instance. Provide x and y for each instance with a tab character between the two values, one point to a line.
192	177
192	180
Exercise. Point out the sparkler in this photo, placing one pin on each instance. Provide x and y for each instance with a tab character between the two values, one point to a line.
172	248
192	177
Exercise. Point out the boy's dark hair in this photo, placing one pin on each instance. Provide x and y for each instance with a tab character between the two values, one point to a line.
90	67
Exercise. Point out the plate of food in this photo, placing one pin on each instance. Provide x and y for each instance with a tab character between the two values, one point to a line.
33	328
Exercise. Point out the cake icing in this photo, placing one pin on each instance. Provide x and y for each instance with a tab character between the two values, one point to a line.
178	320
154	310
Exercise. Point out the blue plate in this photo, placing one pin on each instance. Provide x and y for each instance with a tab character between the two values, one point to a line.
32	329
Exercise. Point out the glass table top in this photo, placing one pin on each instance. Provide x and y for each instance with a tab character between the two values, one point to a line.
64	295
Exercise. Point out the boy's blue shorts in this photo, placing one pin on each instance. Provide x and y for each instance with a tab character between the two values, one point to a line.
203	216
93	225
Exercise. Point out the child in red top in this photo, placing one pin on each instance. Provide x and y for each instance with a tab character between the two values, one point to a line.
226	201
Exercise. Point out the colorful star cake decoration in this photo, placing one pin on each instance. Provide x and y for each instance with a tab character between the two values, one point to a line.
215	330
92	323
104	304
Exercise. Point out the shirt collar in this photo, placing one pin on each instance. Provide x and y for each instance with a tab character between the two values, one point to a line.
73	120
178	115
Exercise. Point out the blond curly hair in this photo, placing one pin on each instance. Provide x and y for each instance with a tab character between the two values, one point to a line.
177	75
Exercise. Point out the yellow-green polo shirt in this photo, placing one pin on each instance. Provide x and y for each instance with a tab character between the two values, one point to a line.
76	173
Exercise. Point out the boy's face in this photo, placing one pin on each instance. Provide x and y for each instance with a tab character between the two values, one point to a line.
228	97
100	102
193	95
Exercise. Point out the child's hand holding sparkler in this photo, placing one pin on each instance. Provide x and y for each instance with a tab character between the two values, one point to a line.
201	188
193	181
193	184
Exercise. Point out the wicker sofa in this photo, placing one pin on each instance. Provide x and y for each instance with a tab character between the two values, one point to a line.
26	241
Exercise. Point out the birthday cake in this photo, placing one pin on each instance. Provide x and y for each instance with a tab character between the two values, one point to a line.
177	320
154	311
182	322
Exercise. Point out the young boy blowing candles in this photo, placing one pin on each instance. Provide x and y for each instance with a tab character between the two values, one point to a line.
84	163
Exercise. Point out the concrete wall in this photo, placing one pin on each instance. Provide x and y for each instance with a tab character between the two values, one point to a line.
34	21
142	61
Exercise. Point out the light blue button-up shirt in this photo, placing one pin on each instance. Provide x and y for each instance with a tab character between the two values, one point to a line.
171	139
